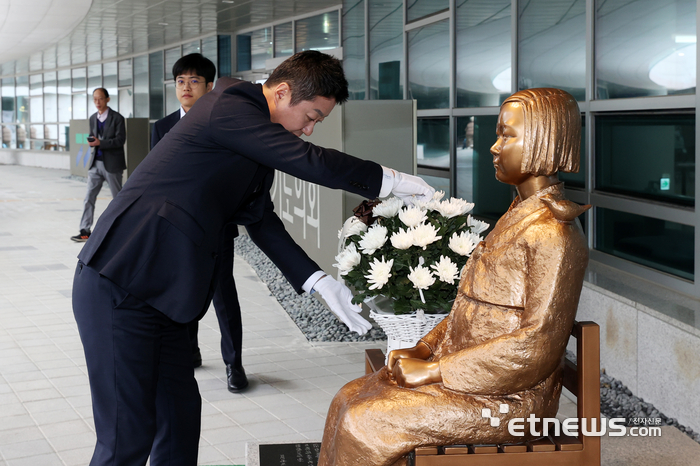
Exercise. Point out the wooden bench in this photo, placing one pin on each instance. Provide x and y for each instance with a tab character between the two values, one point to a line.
581	378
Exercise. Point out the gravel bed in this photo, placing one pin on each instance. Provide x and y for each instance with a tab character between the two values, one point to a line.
319	324
315	321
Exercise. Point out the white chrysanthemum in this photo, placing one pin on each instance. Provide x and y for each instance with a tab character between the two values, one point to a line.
402	239
421	277
352	226
388	208
454	207
477	226
464	242
446	270
347	259
373	239
379	273
423	235
412	216
438	195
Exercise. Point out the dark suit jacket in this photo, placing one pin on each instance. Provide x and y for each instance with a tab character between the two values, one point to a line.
162	126
160	238
111	142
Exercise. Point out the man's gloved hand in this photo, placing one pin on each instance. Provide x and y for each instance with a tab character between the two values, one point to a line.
339	300
407	186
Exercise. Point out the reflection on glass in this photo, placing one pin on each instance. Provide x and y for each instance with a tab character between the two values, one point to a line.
22	92
79	76
36	137
22	139
155	86
417	9
284	40
126	103
140	102
36	109
35	84
192	47
354	47
483	53
94	80
645	48
386	49
648	156
171	102
80	109
223	53
476	177
125	73
578	180
659	244
171	56
64	136
210	51
50	97
253	49
552	45
109	82
321	32
438	183
65	104
9	137
429	65
433	142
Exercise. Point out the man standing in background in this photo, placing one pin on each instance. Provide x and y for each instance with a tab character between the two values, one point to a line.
107	138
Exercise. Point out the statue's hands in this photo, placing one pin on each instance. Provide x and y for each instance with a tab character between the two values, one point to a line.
420	351
338	297
411	373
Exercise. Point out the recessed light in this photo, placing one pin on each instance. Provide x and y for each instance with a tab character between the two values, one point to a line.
162	24
227	1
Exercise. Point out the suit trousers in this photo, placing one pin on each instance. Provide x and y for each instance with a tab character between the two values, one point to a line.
228	310
96	176
145	398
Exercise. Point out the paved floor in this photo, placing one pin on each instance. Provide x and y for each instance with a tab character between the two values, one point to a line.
45	411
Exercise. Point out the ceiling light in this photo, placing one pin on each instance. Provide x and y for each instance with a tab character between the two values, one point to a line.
686	39
677	70
162	24
227	1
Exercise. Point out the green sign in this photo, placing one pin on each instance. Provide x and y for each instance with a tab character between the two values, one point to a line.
81	138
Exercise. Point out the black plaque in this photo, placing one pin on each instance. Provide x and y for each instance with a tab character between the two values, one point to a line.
289	454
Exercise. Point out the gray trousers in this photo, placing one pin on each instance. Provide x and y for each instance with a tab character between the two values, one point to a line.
96	176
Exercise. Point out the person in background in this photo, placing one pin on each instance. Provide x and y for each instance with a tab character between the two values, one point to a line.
107	138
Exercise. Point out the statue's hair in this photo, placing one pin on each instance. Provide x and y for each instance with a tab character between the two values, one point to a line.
552	140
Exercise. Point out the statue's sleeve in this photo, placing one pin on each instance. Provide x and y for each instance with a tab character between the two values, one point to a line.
556	256
435	336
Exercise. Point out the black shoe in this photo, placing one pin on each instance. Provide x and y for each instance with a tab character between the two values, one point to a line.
236	379
81	237
196	358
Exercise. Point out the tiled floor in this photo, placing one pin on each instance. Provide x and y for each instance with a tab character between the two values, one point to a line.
45	411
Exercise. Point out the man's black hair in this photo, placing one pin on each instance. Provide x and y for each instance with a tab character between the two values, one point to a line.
197	64
104	91
311	74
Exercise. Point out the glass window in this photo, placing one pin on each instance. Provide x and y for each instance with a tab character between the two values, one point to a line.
648	156
321	32
243	53
125	73
192	47
645	48
9	130
354	47
434	142
483	53
284	40
50	97
224	55
155	87
552	45
63	136
417	9
35	84
36	99
79	76
109	71
65	104
254	48
22	106
659	244
126	103
210	51
438	183
386	49
80	108
9	137
94	80
140	102
171	102
476	177
171	56
577	180
429	65
36	137
50	58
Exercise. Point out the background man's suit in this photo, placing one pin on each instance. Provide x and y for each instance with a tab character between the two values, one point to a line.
153	259
109	166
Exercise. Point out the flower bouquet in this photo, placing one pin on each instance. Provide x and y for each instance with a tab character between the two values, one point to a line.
412	255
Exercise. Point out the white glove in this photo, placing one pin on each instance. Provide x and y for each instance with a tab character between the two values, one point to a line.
339	300
407	186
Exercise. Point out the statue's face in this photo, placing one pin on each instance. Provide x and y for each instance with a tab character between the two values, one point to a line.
508	149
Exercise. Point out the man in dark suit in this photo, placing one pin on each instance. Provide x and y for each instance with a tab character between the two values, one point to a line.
150	266
108	134
194	76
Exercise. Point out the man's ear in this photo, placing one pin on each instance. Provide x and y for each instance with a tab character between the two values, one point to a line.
282	91
210	86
